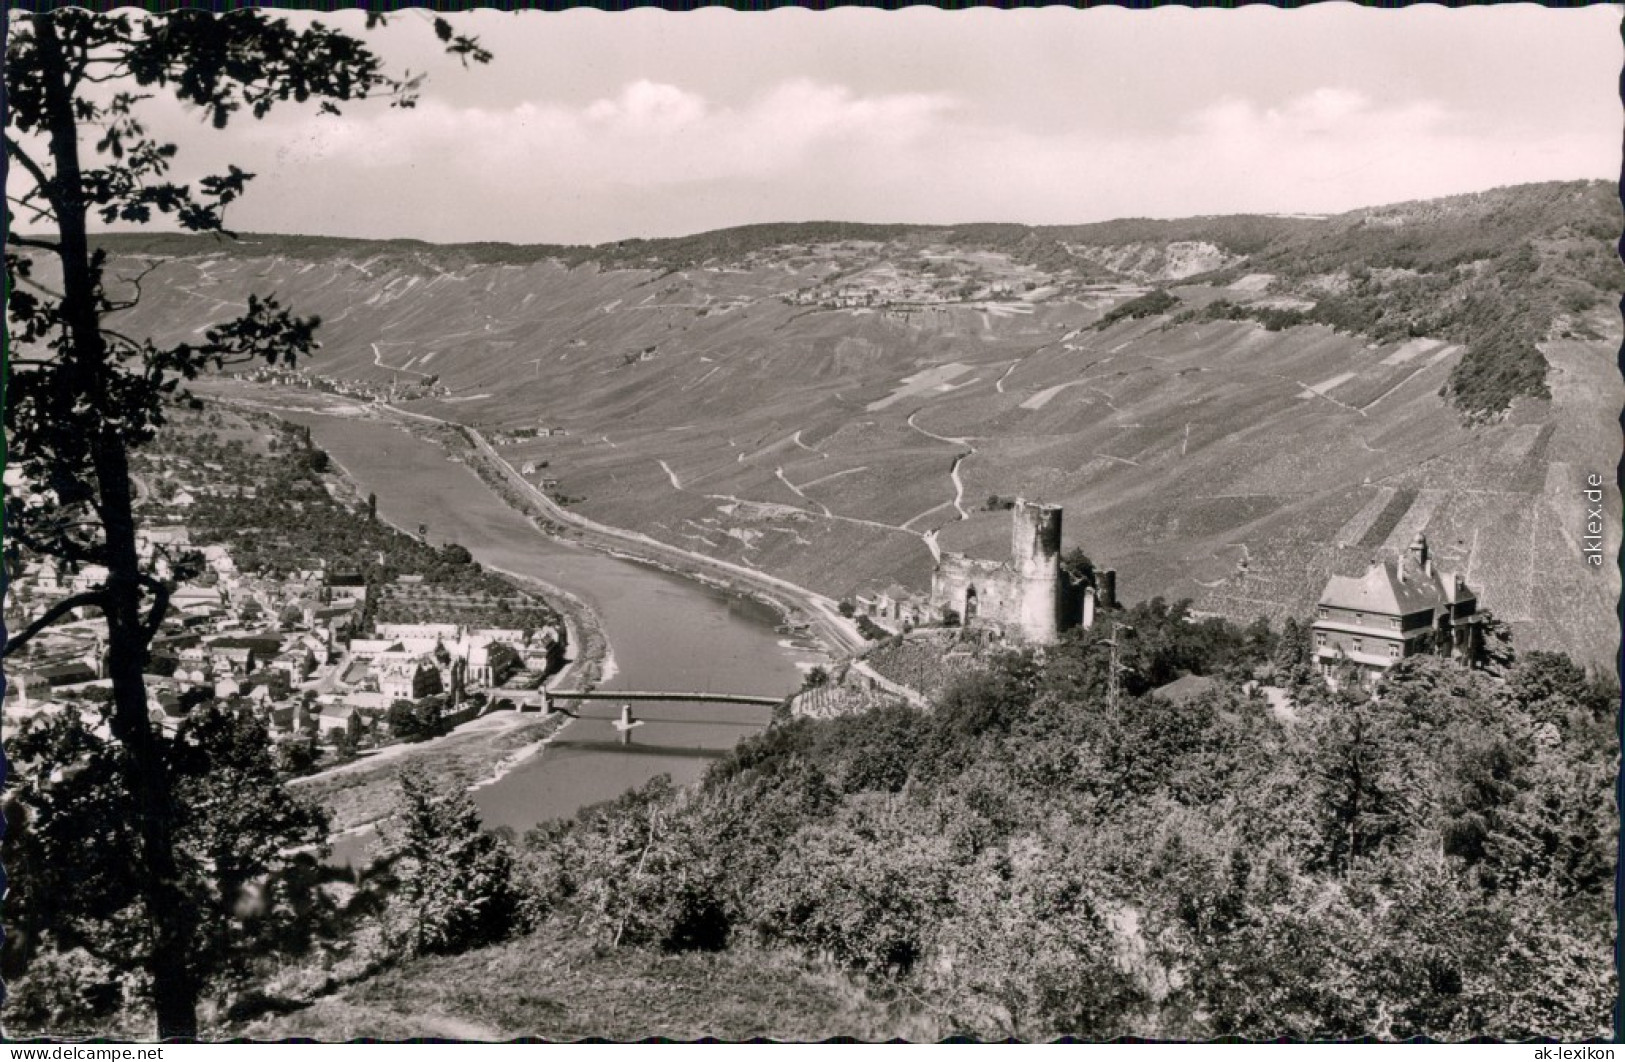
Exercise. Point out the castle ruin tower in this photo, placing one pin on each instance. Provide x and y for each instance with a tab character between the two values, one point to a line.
1035	554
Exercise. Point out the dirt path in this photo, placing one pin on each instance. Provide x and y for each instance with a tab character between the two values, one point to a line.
921	516
796	438
797	492
833	475
378	360
953	471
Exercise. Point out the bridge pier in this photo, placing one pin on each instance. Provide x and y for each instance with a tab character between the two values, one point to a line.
626	723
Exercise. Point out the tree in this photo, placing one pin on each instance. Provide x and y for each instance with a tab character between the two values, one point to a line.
865	893
298	755
1031	943
76	839
1078	567
344	742
1366	789
81	395
1496	652
457	884
1294	653
416	720
315	460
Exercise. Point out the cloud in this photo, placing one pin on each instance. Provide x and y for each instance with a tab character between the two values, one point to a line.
648	134
657	158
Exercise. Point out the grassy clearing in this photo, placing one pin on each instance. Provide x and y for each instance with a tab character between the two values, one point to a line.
551	986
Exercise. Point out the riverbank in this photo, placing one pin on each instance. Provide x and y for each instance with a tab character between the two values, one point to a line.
801	607
363	793
678	621
820	615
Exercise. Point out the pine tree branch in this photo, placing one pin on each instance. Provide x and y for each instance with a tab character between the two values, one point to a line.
15	150
160	605
135	282
29	241
30	282
54	613
67	549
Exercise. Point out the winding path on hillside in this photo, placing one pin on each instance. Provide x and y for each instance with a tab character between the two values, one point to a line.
826	513
796	438
834	475
378	360
798	493
953	473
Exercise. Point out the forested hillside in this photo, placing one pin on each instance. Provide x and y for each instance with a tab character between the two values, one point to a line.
1437	862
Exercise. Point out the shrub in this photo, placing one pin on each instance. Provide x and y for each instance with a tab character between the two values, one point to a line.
457	882
63	992
1148	305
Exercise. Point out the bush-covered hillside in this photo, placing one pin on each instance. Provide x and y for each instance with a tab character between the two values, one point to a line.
1021	861
1497	271
1437	862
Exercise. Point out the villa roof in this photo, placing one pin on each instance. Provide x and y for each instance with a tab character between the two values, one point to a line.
1185	688
1395	588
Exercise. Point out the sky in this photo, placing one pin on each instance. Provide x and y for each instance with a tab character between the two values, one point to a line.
589	126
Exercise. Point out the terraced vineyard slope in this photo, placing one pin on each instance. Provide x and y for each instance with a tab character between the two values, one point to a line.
1230	409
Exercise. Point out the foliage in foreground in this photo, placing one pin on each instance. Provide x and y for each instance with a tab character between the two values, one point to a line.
89	394
456	886
1021	864
77	919
1435	862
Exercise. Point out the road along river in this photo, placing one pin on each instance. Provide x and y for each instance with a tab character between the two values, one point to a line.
666	632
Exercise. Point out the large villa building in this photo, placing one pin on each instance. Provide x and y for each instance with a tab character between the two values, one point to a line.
1400	607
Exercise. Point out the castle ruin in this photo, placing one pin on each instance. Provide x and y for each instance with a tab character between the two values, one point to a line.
1027	598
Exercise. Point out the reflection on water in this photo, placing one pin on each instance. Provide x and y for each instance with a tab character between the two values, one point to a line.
588	762
667	632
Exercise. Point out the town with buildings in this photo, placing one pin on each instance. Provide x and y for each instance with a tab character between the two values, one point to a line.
335	656
295	648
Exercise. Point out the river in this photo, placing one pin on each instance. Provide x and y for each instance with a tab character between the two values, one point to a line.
666	632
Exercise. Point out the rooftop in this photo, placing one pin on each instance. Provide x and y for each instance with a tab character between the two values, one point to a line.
1186	688
1397	588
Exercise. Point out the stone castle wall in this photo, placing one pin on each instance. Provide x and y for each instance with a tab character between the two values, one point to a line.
1026	597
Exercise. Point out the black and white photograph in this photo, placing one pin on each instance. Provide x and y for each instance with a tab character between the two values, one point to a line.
912	525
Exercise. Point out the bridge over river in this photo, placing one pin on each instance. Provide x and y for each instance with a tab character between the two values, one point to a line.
629	722
663	695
